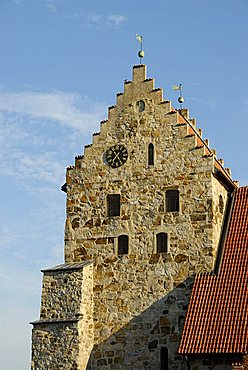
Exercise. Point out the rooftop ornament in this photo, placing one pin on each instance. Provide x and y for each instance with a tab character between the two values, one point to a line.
180	99
141	52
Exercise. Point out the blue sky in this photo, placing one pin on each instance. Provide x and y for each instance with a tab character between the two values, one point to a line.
61	64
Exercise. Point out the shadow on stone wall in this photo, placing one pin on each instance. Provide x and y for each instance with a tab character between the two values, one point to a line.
138	344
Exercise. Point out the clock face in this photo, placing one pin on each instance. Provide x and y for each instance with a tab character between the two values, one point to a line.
116	156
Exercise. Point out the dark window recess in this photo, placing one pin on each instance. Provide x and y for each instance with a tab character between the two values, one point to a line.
151	154
162	241
164	358
114	205
141	105
122	244
172	200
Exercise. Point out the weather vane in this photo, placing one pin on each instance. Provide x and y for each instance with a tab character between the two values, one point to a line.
141	53
180	99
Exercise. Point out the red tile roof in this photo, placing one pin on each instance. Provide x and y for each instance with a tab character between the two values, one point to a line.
217	317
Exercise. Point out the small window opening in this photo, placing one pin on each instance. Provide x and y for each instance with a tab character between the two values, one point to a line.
162	241
151	154
123	244
221	204
164	358
141	105
113	205
172	200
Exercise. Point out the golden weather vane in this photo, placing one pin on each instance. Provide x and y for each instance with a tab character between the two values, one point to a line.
141	52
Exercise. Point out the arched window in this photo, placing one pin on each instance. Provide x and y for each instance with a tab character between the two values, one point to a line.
221	204
150	154
172	200
162	243
123	244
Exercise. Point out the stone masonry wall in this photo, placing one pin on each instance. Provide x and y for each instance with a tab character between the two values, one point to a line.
140	299
55	346
61	294
63	337
208	363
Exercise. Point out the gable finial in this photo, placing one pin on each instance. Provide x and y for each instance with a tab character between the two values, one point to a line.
141	52
180	99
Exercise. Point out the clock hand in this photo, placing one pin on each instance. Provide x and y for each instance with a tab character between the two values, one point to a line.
116	156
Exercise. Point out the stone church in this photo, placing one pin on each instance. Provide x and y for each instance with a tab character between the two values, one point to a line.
149	213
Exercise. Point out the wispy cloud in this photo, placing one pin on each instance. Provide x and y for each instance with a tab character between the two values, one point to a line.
67	10
40	131
40	167
51	7
96	18
211	102
12	234
30	155
69	109
108	20
40	134
116	19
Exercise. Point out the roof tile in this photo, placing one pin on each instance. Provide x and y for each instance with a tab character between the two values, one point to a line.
217	317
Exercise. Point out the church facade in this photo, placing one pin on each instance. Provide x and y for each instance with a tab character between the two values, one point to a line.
146	206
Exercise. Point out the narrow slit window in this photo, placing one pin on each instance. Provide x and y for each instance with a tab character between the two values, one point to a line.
113	205
162	242
164	358
123	244
172	200
151	154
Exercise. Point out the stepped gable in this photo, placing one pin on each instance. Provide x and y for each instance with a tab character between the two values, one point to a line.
148	223
143	88
217	317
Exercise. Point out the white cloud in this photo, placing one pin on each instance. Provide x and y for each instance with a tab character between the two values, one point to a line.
39	131
109	20
68	109
40	134
116	19
43	167
97	18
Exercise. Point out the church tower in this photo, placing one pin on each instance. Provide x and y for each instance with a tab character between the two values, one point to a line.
145	208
